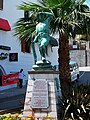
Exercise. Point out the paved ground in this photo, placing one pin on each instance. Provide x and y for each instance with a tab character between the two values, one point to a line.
12	92
12	98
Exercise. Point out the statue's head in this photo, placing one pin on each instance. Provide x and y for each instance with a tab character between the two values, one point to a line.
41	16
44	15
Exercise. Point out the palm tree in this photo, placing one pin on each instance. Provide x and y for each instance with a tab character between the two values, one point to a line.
66	14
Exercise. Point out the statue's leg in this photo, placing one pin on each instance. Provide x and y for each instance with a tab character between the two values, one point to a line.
43	43
42	53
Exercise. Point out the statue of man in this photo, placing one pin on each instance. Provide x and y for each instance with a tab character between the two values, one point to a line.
42	33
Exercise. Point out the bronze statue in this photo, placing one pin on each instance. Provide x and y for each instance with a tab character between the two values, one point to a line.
42	34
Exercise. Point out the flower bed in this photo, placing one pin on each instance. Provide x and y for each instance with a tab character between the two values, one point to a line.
17	116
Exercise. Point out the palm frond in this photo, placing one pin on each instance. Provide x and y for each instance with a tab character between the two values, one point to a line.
28	6
66	12
23	29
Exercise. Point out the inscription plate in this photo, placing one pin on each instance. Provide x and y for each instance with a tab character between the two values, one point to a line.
40	94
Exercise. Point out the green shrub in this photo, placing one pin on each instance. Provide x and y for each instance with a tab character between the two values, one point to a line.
77	106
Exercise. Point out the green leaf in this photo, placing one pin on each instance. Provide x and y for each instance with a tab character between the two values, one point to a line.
82	106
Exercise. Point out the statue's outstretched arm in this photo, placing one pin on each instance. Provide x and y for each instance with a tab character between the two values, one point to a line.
36	38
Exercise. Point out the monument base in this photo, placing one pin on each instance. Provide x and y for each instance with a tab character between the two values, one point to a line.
43	65
41	96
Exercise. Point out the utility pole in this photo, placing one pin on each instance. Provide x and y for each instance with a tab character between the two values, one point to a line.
86	20
85	54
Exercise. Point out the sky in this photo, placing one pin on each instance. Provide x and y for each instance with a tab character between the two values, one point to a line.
87	2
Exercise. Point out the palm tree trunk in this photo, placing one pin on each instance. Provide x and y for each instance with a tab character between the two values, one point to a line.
64	68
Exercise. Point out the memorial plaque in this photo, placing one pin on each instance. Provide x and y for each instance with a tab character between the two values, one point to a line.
40	94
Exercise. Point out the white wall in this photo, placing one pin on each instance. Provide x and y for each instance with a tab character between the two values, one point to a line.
79	56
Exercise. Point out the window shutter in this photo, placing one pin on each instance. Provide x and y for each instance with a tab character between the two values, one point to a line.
23	46
1	4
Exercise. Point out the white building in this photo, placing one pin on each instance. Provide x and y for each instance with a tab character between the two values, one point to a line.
10	44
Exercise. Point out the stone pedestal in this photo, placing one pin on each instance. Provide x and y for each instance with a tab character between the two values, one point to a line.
43	65
49	108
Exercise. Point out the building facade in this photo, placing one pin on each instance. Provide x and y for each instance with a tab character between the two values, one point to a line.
12	56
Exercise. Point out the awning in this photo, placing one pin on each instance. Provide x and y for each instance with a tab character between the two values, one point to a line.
4	25
53	42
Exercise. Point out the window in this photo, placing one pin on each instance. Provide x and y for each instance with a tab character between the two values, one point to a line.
26	14
13	57
25	46
1	4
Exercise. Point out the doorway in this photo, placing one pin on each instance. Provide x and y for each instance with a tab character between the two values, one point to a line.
2	72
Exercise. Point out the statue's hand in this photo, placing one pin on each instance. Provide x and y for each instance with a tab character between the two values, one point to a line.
33	41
